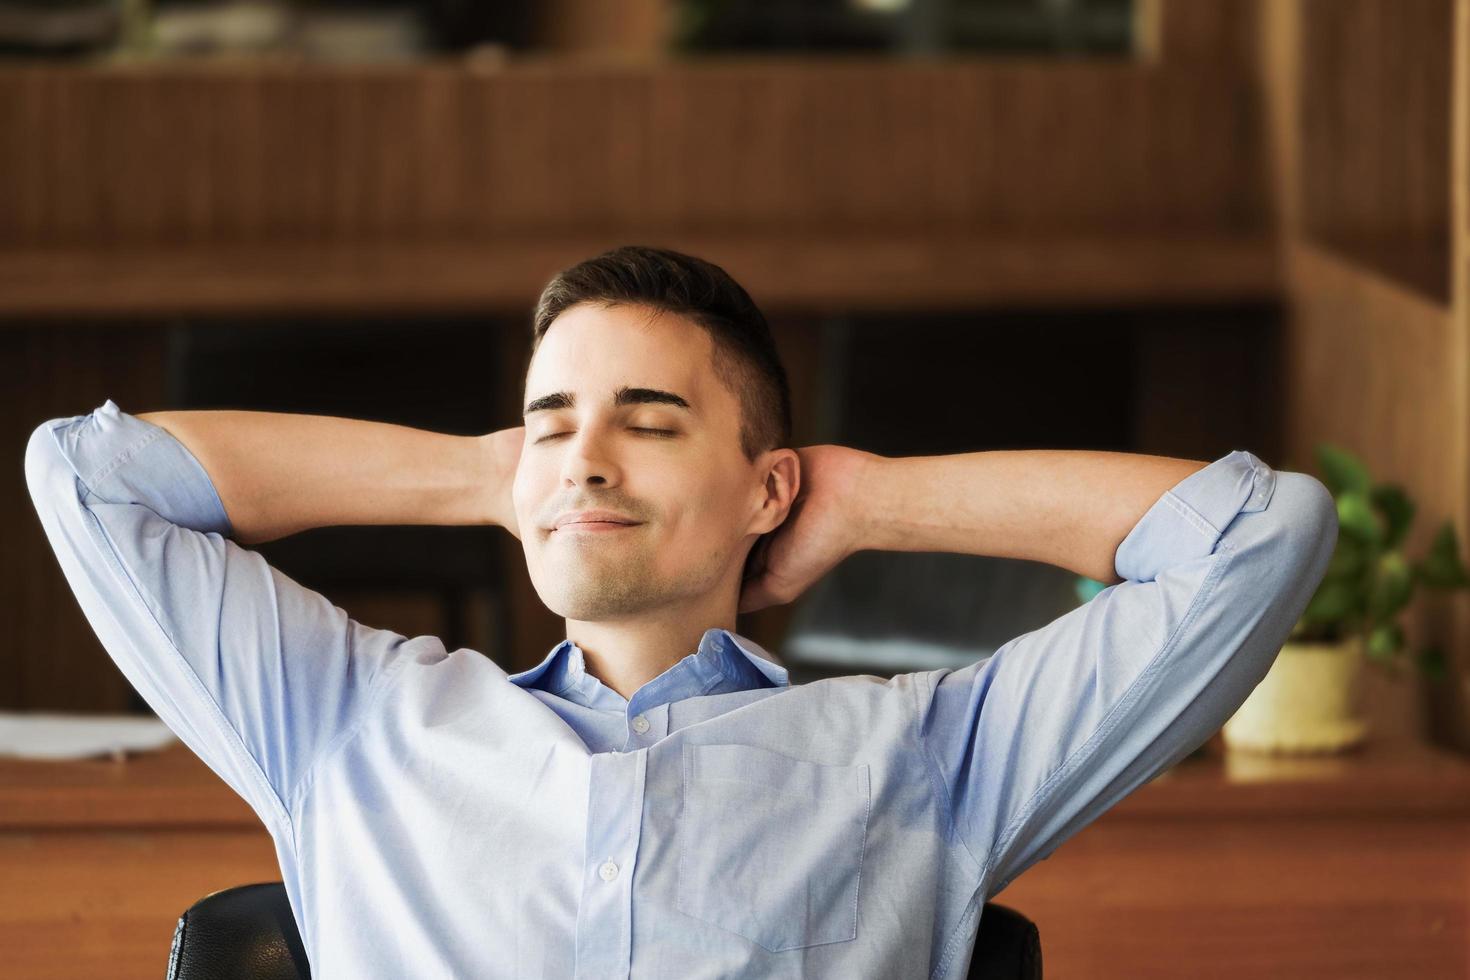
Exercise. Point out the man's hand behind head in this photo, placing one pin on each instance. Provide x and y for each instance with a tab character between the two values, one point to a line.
823	527
503	455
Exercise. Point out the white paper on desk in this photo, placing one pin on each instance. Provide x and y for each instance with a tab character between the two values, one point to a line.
53	735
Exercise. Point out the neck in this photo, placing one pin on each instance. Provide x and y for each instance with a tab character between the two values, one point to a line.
625	654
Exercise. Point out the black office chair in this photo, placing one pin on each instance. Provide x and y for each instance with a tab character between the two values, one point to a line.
241	933
248	933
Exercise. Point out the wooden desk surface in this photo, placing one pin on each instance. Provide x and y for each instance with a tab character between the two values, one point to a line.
173	788
1387	779
1330	868
167	788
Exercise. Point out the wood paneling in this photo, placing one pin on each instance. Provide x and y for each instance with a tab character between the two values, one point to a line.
847	273
1369	368
1209	35
862	183
217	155
1450	703
1375	84
628	29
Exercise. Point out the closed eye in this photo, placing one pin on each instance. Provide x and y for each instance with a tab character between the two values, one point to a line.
658	432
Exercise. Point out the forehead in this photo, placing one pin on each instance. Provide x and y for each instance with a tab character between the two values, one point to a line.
591	350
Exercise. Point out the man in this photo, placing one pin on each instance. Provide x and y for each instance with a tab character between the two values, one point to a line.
654	799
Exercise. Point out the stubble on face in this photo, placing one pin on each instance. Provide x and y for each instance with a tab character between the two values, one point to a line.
605	580
601	580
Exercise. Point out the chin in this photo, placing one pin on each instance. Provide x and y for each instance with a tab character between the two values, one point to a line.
585	612
617	593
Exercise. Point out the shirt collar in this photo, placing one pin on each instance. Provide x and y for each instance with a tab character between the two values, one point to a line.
724	662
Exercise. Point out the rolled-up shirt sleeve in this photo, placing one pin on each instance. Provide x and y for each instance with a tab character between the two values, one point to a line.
255	673
1032	744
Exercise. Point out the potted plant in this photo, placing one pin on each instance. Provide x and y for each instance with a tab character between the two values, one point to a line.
1309	700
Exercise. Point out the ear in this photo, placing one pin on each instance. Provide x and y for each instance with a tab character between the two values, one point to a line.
781	484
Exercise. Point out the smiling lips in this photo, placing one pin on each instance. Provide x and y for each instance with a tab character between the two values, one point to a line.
593	520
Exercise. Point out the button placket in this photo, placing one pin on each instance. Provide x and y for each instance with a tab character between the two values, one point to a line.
614	826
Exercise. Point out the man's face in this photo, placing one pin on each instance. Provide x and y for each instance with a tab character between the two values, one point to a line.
692	493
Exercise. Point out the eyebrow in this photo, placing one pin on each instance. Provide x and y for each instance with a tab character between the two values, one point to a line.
623	396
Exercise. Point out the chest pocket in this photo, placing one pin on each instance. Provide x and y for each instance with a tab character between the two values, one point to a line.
771	847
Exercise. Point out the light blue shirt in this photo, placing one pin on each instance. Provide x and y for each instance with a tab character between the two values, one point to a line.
436	817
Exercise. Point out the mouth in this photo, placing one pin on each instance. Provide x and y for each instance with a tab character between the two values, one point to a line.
594	526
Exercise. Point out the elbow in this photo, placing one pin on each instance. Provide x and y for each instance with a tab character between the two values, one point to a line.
1308	526
51	475
42	461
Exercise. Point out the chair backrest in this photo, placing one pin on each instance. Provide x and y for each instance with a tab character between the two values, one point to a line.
248	931
245	931
1007	947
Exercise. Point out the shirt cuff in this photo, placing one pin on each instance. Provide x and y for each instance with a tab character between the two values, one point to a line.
1188	520
119	458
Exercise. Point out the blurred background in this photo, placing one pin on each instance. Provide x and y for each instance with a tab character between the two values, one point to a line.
1178	227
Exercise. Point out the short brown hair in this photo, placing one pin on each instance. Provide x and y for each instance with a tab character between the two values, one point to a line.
745	357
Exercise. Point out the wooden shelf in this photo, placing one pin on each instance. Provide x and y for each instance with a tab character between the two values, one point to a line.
856	272
1415	267
1314	267
180	156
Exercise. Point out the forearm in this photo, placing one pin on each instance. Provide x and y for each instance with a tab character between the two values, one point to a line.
1068	508
278	473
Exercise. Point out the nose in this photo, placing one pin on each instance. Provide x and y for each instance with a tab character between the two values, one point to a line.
588	460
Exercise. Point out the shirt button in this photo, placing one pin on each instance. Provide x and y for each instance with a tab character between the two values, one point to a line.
640	724
608	871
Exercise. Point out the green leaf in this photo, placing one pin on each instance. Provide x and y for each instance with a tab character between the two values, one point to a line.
1355	516
1432	663
1342	472
1334	600
1398	512
1442	568
1349	558
1384	642
1393	588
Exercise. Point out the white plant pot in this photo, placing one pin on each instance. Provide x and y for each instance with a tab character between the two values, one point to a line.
1308	703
